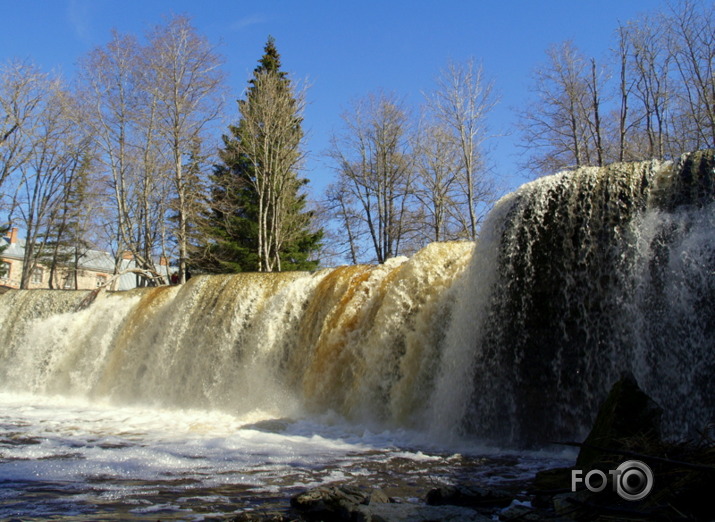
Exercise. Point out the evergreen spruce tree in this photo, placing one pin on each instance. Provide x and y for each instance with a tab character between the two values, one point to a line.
258	219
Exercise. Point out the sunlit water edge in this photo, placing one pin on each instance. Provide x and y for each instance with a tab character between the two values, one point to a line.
67	458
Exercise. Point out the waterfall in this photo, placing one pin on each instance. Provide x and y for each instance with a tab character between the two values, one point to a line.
362	341
575	278
579	277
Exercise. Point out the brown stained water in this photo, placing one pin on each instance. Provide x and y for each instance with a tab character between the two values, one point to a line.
145	401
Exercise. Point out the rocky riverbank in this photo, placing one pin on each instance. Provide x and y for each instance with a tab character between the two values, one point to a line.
681	484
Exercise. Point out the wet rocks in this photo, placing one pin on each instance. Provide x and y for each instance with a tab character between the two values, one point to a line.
468	497
626	428
626	414
335	502
349	503
416	513
269	516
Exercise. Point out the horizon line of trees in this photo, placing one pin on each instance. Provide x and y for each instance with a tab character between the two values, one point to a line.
404	178
126	156
653	96
117	157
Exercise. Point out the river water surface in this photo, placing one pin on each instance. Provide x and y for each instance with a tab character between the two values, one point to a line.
78	460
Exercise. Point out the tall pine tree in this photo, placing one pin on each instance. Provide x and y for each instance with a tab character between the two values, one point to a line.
258	219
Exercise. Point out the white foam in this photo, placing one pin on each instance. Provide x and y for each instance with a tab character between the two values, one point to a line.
99	453
71	440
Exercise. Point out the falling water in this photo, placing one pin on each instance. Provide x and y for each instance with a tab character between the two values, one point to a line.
363	341
576	277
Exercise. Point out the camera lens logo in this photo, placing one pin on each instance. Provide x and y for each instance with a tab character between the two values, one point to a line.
633	480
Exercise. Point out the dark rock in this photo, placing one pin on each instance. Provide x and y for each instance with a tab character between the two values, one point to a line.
567	504
553	480
521	512
468	497
336	502
377	496
548	485
542	501
254	516
416	513
627	413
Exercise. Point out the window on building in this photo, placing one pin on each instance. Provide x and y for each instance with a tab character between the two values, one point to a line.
101	280
37	276
68	282
5	271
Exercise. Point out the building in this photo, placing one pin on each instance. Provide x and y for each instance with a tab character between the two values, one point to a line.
96	267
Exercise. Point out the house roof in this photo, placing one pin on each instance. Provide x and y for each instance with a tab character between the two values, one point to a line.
94	260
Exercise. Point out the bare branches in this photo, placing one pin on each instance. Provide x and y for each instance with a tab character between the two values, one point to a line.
439	166
269	137
666	93
691	44
563	121
109	102
22	90
460	104
374	166
401	184
185	81
148	109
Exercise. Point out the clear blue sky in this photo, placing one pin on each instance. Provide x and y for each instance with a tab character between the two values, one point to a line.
345	48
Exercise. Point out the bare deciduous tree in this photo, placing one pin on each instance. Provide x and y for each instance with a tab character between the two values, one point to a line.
373	161
148	109
645	85
68	230
691	45
439	167
187	83
152	183
666	90
625	88
22	91
348	242
460	103
564	121
108	100
44	175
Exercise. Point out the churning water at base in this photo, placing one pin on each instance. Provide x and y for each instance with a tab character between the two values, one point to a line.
90	461
515	341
